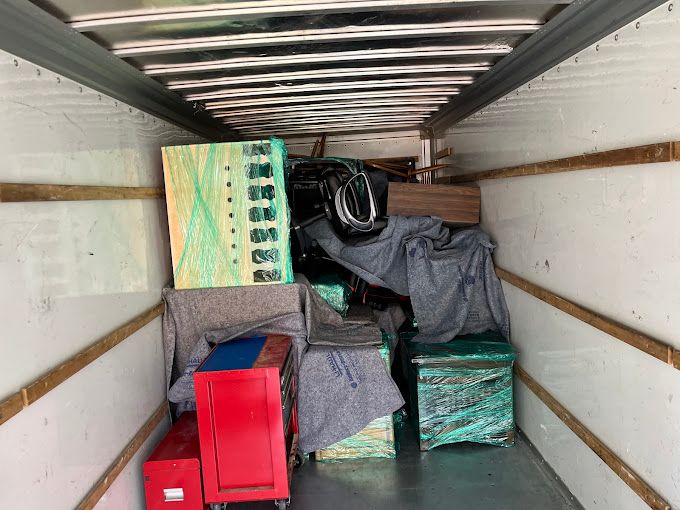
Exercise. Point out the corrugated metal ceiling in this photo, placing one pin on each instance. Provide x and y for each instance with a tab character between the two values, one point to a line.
303	67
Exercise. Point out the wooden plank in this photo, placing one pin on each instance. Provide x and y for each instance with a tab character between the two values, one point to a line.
428	169
11	406
444	153
632	479
386	168
58	375
10	192
652	153
394	159
645	343
103	484
453	204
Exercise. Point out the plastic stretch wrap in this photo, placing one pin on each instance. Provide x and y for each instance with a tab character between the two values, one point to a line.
334	291
462	391
376	440
228	214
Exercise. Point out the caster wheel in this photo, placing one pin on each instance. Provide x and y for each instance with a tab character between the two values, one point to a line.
299	459
282	504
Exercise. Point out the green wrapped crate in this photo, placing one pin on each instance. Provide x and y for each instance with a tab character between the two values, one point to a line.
462	391
376	440
334	290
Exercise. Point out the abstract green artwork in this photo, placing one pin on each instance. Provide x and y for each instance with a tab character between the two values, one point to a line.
228	214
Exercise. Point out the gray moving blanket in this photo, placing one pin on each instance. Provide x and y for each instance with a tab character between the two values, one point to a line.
343	384
449	275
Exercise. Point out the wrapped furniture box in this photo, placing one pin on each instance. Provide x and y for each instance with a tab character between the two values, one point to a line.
462	391
228	214
376	440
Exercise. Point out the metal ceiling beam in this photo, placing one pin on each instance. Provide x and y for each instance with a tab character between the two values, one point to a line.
272	61
343	128
250	10
327	74
424	104
578	26
434	96
339	119
30	33
313	114
326	35
442	86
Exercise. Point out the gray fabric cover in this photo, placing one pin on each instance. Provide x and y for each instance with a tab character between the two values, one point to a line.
190	313
449	275
341	389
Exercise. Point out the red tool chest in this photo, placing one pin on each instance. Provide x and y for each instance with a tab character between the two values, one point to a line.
172	474
245	400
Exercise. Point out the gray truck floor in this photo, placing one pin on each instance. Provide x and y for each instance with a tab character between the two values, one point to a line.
464	476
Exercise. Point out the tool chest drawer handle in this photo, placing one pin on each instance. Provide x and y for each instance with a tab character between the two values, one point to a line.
174	494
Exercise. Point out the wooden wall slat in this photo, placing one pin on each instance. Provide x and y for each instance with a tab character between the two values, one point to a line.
58	375
103	484
653	153
38	388
12	192
645	343
428	169
10	406
641	488
444	153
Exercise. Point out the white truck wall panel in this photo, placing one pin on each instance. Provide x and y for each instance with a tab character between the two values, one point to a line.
73	272
362	146
605	238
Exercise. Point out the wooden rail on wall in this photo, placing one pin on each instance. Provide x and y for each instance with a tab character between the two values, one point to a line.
653	153
26	396
10	192
645	343
641	488
103	484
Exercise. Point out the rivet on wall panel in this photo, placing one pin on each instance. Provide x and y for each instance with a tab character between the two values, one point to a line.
37	71
576	60
16	63
616	37
130	110
637	25
670	7
597	47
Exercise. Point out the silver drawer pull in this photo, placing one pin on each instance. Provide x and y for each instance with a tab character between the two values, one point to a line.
175	494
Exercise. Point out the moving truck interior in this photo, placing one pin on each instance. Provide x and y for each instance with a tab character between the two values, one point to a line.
558	120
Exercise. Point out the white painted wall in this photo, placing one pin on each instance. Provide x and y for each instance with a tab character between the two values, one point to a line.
605	238
72	272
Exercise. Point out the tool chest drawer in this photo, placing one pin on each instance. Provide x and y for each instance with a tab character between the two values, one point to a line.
245	398
172	474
